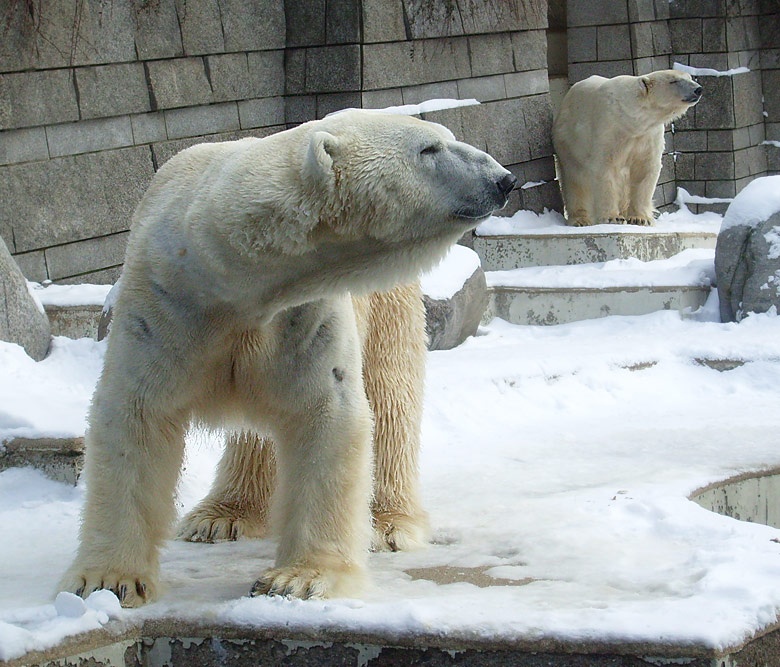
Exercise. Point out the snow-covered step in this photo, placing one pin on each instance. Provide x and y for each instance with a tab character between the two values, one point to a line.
543	239
504	252
560	294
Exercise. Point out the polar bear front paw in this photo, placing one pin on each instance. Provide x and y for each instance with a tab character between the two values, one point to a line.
213	521
394	531
133	590
579	222
310	582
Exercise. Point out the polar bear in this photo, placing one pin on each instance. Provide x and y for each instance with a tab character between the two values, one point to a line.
609	137
240	306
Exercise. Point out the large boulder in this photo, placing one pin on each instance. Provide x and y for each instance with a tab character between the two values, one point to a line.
747	256
455	295
22	318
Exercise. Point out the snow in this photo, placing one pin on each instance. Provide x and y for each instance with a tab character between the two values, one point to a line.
47	398
759	200
70	295
446	279
706	71
522	222
35	298
684	197
552	222
427	106
773	239
545	461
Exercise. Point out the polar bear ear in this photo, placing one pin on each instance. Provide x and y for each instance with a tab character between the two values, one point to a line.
645	84
319	158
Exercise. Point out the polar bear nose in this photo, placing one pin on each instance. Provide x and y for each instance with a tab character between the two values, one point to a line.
695	95
507	184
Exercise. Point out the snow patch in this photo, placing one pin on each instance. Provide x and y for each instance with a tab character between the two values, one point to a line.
48	398
427	106
552	222
447	278
684	197
773	239
39	628
759	200
36	299
706	71
70	295
522	222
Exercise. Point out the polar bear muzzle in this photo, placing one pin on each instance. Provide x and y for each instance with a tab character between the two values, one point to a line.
495	198
480	184
691	91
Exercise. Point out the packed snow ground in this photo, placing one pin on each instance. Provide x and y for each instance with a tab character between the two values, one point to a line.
545	460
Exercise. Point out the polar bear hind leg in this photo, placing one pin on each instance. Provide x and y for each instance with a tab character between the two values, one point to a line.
607	186
577	196
394	353
645	168
239	501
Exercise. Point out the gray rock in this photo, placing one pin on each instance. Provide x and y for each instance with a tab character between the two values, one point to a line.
451	321
21	320
747	270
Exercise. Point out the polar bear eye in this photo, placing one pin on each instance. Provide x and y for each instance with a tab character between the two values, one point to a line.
430	150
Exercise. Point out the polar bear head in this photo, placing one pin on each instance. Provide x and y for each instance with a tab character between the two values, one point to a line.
399	179
668	94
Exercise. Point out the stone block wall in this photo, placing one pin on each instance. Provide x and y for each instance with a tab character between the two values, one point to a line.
769	34
718	146
719	142
95	95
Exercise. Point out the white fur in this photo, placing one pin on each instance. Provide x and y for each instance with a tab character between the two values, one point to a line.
609	139
240	306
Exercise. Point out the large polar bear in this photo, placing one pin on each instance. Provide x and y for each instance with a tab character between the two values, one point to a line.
235	310
609	137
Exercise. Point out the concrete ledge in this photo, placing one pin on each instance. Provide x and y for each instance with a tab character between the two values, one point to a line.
547	306
74	321
746	497
500	253
61	459
177	642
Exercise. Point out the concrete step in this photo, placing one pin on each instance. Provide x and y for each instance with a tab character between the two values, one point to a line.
79	321
559	294
552	248
558	305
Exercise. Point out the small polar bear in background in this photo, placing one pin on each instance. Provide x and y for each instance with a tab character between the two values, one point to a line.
270	287
609	137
